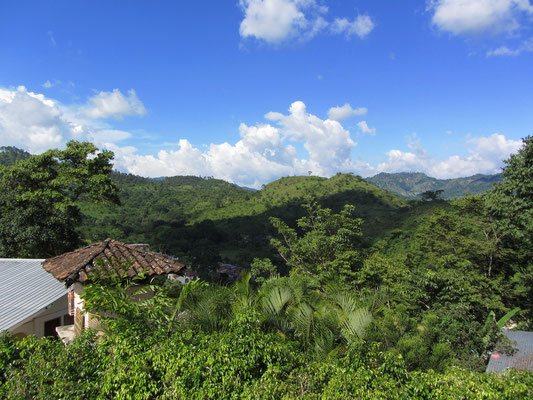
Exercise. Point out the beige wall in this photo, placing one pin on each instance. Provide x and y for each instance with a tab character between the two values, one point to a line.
89	321
35	325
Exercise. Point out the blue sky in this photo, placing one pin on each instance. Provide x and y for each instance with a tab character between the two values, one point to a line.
252	90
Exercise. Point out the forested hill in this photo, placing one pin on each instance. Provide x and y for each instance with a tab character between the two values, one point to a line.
9	155
412	184
210	219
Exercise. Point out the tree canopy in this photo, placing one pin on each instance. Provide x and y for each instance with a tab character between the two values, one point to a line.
511	201
39	216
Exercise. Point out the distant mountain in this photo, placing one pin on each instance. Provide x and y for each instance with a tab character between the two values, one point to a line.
412	184
9	155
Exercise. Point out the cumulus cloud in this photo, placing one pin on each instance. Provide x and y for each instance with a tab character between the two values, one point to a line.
113	105
275	21
363	126
264	152
478	16
36	123
30	121
486	155
345	111
290	143
361	26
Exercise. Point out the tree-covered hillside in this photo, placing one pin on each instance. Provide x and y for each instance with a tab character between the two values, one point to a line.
9	155
209	219
412	184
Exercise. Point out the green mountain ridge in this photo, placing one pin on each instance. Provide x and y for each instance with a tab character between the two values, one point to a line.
412	184
406	184
208	220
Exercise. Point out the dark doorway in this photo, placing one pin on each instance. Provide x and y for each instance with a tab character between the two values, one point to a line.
68	319
50	327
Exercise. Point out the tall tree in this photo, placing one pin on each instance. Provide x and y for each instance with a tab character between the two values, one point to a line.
511	201
38	212
511	204
329	246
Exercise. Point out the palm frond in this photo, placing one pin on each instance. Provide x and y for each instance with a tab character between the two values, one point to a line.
276	300
355	323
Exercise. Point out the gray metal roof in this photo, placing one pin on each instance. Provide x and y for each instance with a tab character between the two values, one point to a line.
521	360
25	289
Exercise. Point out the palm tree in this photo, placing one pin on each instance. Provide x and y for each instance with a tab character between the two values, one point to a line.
324	320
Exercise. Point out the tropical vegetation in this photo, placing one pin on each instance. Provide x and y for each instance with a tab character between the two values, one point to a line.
351	292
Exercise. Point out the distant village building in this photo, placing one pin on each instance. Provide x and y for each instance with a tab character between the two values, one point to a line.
110	256
32	302
521	360
185	276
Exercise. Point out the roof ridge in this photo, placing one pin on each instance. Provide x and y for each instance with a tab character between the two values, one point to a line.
74	266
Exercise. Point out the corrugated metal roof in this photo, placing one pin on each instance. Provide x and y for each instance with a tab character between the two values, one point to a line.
521	360
25	289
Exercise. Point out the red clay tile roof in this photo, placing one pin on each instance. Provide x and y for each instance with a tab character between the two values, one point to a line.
77	265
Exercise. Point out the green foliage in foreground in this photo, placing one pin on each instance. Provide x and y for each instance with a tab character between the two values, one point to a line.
243	362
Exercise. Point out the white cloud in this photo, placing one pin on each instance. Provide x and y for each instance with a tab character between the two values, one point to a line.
289	144
366	129
30	121
478	16
263	153
36	123
486	155
47	84
326	141
361	26
275	21
113	105
526	46
345	111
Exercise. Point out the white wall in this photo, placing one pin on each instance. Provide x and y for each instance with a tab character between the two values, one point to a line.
35	326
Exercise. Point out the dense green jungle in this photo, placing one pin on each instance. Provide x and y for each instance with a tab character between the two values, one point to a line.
347	290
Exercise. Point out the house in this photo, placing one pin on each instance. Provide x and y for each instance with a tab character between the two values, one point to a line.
110	256
186	275
521	360
32	302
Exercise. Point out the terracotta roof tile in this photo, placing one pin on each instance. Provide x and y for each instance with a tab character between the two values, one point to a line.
78	265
